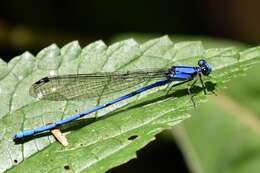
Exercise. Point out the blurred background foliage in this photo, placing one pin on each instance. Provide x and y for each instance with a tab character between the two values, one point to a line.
32	25
223	135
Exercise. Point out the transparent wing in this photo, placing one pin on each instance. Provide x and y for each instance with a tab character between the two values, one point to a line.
78	86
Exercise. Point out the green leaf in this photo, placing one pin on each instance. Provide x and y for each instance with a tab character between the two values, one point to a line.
228	139
113	139
222	135
208	42
214	140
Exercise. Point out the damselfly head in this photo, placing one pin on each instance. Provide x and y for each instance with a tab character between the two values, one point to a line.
204	67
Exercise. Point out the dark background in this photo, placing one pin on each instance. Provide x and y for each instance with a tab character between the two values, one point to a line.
32	25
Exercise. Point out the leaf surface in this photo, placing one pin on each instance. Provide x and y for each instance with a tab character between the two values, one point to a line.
96	146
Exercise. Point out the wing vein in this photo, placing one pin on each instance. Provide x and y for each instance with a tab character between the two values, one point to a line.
78	86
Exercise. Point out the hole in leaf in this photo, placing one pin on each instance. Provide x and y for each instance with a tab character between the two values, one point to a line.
15	161
66	167
133	137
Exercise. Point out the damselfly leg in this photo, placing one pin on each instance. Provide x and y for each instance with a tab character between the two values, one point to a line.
202	84
170	87
189	91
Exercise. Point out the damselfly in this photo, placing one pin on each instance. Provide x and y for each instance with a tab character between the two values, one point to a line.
75	86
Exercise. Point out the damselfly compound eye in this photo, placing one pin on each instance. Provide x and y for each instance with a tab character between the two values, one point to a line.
201	62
